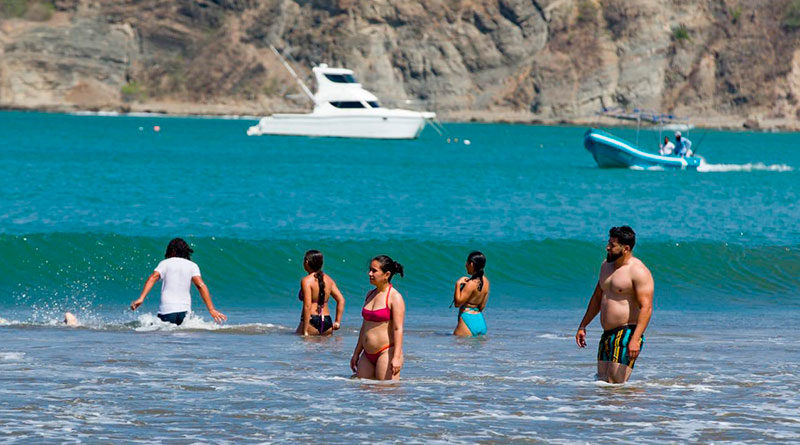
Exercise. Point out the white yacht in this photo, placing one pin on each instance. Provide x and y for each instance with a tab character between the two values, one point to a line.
342	108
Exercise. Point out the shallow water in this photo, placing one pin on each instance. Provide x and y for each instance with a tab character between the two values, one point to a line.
89	203
523	382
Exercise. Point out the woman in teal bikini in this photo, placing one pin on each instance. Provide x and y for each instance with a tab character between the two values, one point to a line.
470	296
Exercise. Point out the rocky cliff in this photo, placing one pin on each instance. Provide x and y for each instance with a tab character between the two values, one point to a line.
723	62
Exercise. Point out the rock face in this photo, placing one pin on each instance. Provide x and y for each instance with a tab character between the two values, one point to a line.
722	61
83	63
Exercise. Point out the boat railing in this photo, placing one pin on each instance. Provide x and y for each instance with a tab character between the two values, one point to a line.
641	115
664	121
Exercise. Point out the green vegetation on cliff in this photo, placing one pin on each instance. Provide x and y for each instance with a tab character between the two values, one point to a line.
791	17
34	10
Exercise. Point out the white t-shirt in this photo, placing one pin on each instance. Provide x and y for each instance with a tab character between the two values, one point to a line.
176	280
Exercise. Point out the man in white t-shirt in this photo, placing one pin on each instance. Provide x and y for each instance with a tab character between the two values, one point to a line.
178	272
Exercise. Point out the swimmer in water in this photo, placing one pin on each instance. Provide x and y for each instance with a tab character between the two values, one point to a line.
470	296
178	272
623	297
70	319
316	288
379	351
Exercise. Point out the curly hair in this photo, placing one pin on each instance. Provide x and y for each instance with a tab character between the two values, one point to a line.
624	235
179	248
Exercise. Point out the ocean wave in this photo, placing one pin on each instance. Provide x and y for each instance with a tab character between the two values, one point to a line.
90	274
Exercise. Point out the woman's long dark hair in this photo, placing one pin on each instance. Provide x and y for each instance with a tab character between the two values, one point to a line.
478	261
314	260
389	265
179	248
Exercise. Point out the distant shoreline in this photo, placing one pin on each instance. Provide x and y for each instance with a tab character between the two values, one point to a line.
243	112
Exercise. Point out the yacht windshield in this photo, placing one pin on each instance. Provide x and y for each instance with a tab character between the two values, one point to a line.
374	104
348	104
341	78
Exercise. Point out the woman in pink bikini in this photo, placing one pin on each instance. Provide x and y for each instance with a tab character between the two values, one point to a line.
381	335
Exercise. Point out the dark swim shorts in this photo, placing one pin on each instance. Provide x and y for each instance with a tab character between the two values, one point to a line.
175	317
614	345
315	321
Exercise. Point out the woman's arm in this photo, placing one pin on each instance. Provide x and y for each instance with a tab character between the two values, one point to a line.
151	280
305	285
462	293
398	317
339	298
218	316
357	351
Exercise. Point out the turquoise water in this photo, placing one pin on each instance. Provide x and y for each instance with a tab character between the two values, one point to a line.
88	204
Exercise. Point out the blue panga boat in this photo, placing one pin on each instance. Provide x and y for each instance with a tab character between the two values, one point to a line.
610	151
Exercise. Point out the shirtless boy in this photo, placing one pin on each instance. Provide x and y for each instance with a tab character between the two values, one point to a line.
624	298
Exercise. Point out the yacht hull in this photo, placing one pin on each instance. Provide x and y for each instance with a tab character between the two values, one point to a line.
367	127
610	151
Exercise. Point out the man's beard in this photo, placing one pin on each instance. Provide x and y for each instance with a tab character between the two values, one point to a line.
611	257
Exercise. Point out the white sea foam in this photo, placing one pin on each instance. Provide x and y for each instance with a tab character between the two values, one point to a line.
760	166
193	321
12	356
512	378
691	429
685	387
652	168
552	336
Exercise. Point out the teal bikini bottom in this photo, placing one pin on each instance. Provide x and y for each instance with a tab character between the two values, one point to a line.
474	321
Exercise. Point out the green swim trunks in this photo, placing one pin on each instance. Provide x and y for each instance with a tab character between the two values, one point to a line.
614	345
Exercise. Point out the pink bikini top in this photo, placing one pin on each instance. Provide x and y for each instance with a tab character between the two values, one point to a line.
382	314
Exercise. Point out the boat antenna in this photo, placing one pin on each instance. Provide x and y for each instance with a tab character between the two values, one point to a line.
296	77
694	150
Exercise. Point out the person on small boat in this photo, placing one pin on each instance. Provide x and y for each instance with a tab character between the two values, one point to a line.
667	148
683	146
315	290
379	351
470	296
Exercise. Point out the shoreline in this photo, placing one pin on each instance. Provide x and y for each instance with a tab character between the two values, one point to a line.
244	112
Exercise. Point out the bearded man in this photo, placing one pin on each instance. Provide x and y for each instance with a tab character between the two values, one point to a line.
624	298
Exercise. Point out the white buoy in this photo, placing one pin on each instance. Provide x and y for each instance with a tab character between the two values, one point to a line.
467	142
